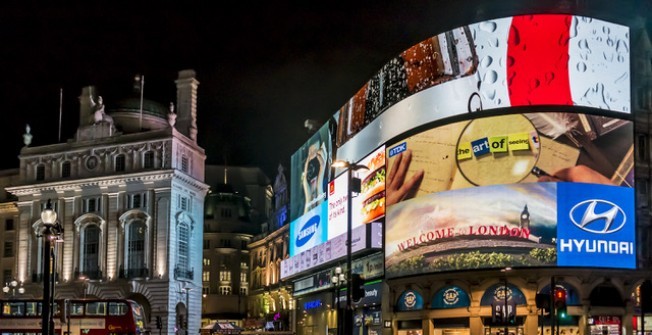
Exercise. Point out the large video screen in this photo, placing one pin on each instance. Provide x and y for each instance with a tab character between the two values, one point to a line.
545	59
310	172
518	190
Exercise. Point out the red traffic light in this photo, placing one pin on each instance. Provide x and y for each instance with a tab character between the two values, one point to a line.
560	294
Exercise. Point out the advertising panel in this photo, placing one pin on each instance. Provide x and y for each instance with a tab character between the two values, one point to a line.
500	63
310	172
512	190
309	230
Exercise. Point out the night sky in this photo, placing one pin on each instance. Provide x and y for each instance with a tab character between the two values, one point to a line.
263	68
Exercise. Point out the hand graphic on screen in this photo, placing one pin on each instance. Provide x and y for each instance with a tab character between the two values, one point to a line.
578	174
398	188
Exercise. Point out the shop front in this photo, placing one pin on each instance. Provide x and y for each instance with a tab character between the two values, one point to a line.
504	299
407	303
367	316
447	301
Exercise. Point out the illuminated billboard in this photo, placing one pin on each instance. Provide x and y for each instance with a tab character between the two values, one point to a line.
310	172
544	59
514	190
319	236
507	142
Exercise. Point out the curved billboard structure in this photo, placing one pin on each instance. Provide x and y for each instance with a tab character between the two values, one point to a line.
502	147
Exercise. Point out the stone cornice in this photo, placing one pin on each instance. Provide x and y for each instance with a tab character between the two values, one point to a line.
108	181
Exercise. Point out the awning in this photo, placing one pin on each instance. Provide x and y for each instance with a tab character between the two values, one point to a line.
220	328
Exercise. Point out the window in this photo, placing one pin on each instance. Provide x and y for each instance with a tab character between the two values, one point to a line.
9	249
207	244
9	224
148	160
135	256
91	204
207	261
120	163
184	164
225	275
225	290
40	172
224	243
206	290
90	257
184	203
206	276
183	255
6	276
243	265
137	200
65	169
118	308
243	277
226	212
243	291
243	245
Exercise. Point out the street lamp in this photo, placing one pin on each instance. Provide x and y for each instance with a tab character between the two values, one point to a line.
13	286
186	290
338	280
51	231
353	184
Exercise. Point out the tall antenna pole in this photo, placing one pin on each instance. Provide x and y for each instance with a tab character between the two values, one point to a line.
60	110
142	89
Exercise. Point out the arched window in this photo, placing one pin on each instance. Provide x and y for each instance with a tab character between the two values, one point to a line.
135	253
135	244
183	251
90	256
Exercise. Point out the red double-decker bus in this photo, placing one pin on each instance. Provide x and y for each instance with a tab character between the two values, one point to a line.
74	317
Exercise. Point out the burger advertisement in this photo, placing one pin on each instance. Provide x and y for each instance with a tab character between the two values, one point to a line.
368	206
372	187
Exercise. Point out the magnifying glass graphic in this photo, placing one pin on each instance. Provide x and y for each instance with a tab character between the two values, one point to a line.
498	150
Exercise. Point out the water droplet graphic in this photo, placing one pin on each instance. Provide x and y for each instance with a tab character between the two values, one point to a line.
486	62
581	67
488	26
491	77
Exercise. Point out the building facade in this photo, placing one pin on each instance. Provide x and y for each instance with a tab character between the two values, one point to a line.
236	210
271	306
129	192
512	156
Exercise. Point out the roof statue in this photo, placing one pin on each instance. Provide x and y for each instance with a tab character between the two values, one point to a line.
99	115
27	137
172	116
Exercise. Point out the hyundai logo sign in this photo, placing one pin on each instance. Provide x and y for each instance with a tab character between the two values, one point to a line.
308	230
598	216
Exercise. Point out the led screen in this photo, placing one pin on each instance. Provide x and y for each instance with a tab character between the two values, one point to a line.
319	236
561	60
310	172
533	189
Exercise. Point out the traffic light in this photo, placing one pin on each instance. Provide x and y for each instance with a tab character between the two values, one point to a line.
560	302
357	291
159	322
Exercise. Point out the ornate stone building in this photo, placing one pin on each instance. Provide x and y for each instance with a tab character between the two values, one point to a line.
270	304
129	192
235	210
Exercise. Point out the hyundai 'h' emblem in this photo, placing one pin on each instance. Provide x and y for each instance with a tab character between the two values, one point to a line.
598	216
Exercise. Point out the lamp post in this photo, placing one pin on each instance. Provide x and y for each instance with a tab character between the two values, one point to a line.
352	183
505	296
338	280
12	287
187	290
51	230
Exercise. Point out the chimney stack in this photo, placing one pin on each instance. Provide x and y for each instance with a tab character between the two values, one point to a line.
187	104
